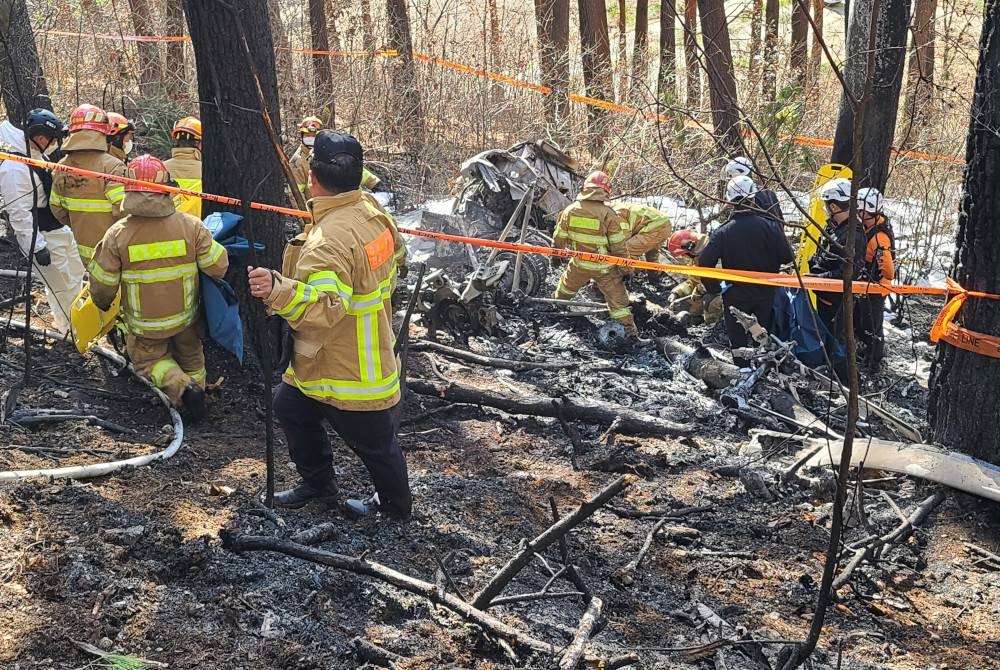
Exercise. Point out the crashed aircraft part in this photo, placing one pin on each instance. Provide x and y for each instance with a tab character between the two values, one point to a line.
101	469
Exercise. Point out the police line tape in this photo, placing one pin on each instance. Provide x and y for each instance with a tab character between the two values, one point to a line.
943	330
618	108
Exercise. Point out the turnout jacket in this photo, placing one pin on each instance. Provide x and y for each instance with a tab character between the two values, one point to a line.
155	254
87	205
748	242
589	224
184	166
334	291
644	227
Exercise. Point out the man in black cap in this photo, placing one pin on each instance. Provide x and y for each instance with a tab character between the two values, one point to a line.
334	291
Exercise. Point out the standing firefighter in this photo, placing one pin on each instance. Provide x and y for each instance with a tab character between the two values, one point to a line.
590	225
308	129
25	193
689	296
121	136
880	267
334	290
184	163
88	205
155	254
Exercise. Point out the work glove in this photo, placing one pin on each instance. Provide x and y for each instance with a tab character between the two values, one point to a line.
43	257
403	271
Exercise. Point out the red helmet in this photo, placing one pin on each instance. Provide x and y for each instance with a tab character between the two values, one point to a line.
119	124
598	180
683	243
146	168
89	117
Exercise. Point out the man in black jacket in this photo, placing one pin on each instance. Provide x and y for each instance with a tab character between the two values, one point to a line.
750	241
830	260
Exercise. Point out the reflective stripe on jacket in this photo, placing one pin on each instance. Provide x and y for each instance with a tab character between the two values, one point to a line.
184	166
589	224
334	292
87	205
155	254
645	227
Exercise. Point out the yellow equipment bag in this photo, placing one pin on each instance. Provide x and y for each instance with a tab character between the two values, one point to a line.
90	323
188	204
811	233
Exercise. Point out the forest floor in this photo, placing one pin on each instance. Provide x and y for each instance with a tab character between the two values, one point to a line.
134	562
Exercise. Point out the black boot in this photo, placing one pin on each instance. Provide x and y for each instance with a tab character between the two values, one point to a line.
193	402
303	494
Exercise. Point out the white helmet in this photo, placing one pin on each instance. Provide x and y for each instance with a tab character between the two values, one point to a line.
738	167
870	200
740	188
836	190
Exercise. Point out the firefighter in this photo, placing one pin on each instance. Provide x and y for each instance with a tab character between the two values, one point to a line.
751	241
765	199
184	163
333	291
26	193
589	224
154	254
308	129
88	205
120	139
879	267
829	261
646	229
689	296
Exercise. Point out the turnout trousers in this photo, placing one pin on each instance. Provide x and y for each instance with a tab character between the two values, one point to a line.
171	363
370	435
611	286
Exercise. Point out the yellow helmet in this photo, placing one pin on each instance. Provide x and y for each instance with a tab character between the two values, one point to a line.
311	125
187	128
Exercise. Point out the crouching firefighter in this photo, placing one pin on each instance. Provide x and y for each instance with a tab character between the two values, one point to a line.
590	225
688	297
155	254
334	292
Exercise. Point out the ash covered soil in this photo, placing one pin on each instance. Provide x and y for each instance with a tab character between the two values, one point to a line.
135	562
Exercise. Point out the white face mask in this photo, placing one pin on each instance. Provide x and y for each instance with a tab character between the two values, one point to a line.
308	140
127	147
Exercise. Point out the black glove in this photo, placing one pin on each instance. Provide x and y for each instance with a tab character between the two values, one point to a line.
43	257
403	271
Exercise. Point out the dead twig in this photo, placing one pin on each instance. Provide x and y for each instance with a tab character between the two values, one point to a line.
986	555
576	648
571	572
372	653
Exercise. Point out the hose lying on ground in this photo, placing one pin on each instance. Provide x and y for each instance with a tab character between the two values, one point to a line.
100	469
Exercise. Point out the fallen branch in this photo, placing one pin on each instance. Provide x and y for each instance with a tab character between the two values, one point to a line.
658	513
570	570
503	363
372	653
557	530
985	555
626	576
576	648
579	409
316	534
574	437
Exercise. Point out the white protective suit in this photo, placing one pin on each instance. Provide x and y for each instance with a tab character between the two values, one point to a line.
64	275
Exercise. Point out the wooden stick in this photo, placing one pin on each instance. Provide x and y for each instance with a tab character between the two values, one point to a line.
626	576
576	648
504	363
571	572
372	653
557	530
316	534
986	555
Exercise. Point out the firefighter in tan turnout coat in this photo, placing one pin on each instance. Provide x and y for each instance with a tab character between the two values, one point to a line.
154	255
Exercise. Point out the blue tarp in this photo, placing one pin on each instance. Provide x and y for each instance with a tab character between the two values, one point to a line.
795	320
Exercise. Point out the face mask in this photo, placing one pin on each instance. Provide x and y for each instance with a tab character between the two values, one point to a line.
127	147
308	140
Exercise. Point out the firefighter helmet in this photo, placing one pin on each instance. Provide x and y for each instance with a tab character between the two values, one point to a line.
119	124
738	167
310	125
740	188
836	190
683	243
89	117
146	168
43	122
870	200
599	180
188	128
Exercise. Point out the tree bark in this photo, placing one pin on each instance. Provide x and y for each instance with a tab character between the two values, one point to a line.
721	78
692	69
552	24
920	80
621	61
494	16
887	77
322	69
798	55
769	83
965	388
239	158
666	76
816	48
410	118
176	73
21	73
595	47
150	68
640	49
756	24
368	29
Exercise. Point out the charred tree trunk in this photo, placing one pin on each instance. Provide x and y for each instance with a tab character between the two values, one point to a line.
21	74
816	47
239	158
150	69
552	24
176	73
692	70
965	386
756	25
719	67
595	46
322	69
410	117
800	34
666	75
621	61
769	83
640	49
887	79
920	80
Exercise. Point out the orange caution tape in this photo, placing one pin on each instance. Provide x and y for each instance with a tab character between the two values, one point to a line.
944	330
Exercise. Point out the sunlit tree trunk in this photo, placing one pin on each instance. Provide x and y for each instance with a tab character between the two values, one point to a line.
692	66
552	25
21	74
666	77
721	77
595	46
640	49
409	113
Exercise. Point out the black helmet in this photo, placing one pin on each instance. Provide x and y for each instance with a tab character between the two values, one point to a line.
44	122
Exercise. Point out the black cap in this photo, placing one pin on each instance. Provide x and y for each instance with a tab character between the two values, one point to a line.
330	143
